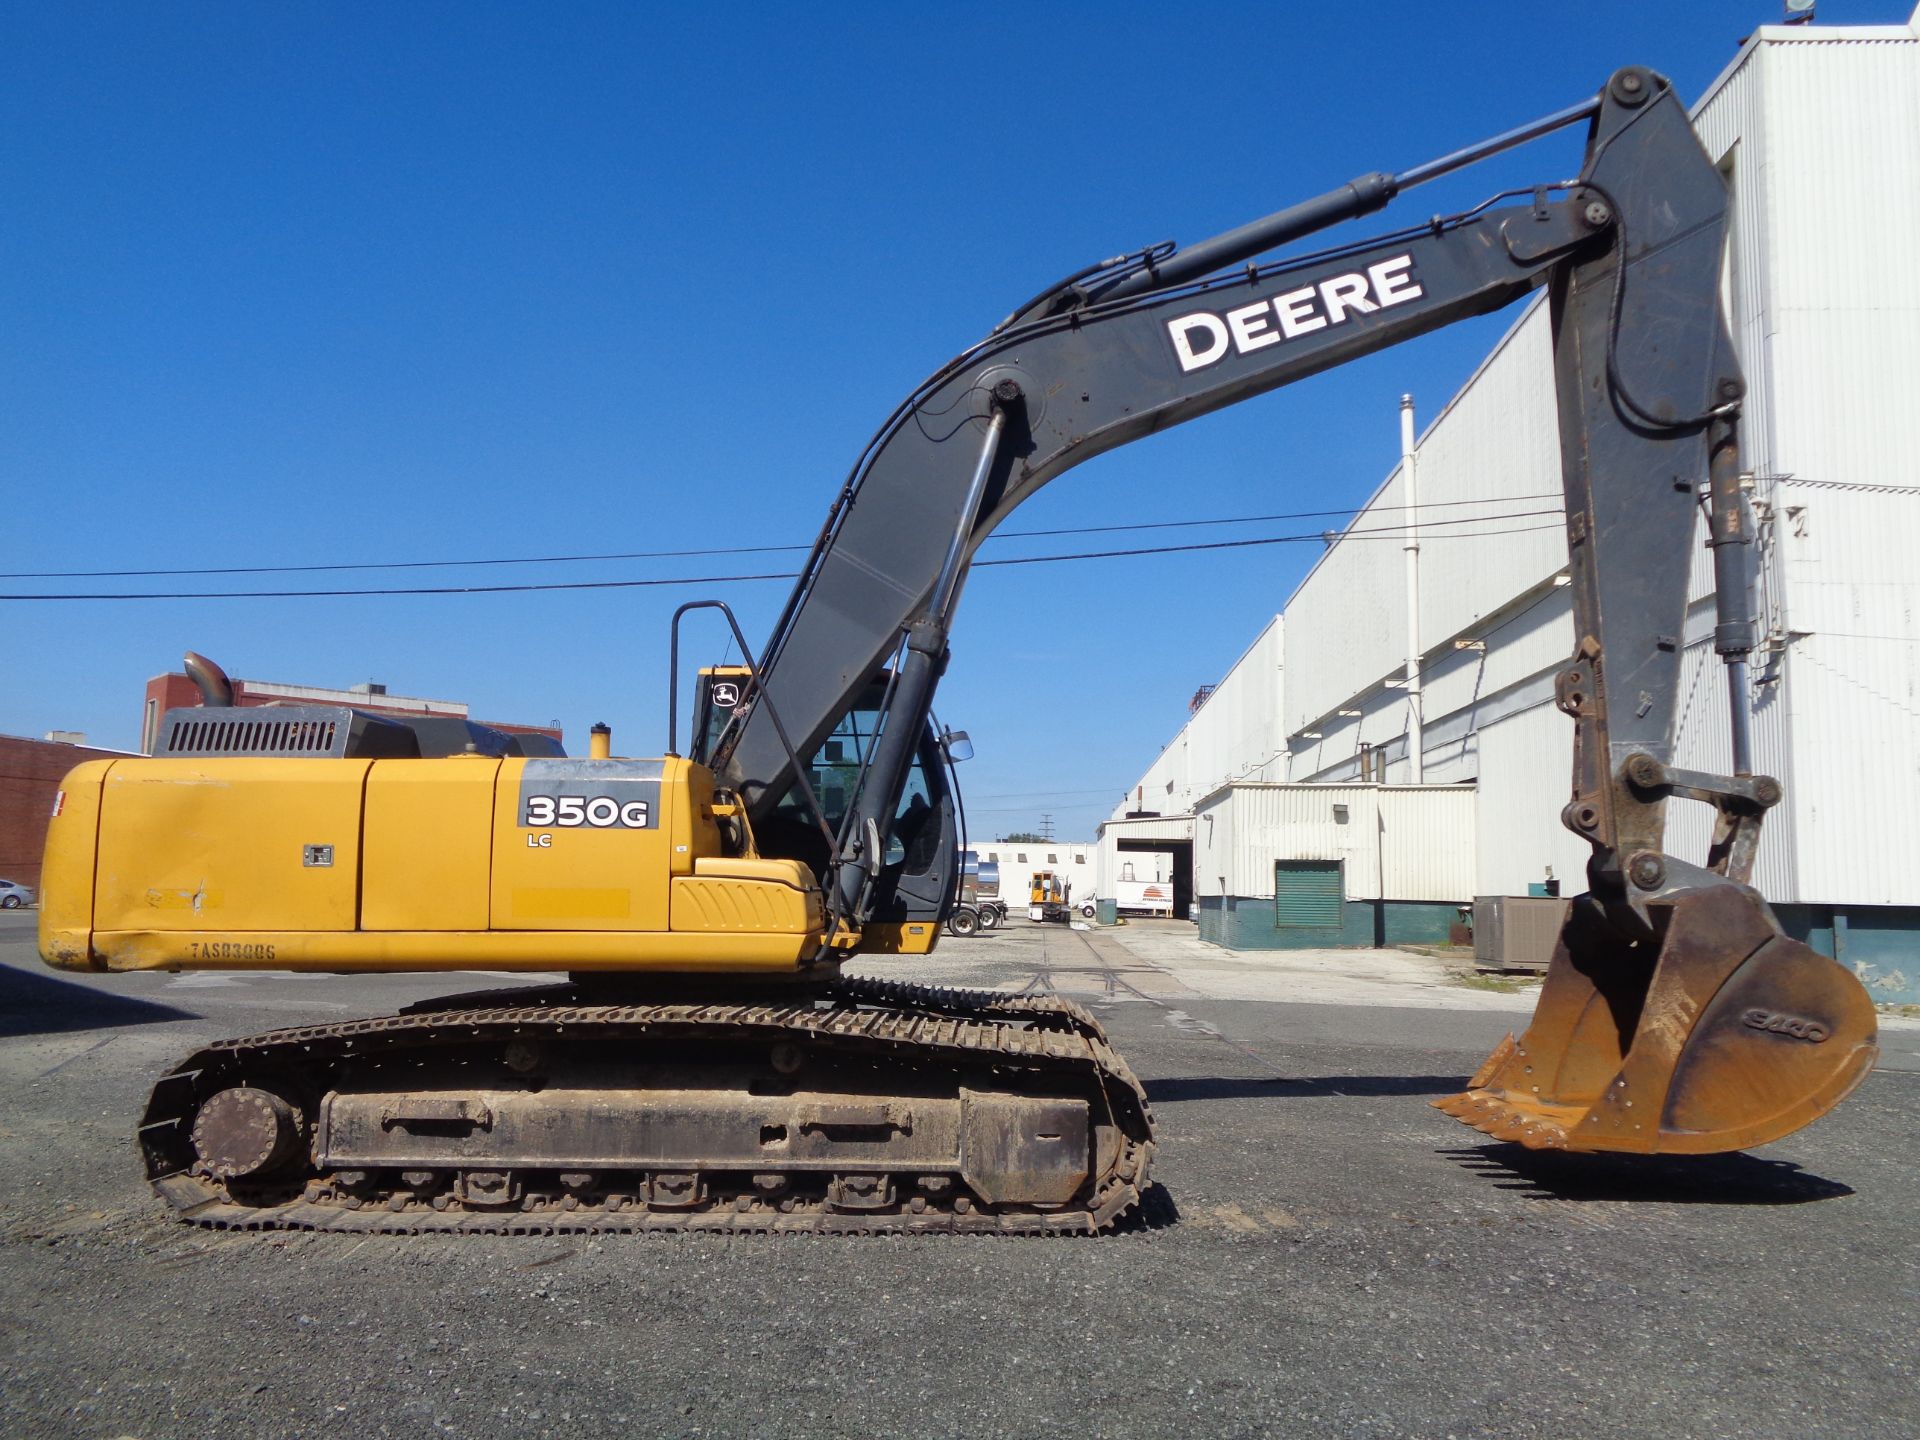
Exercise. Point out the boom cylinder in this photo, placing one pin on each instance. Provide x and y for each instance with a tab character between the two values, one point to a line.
1360	196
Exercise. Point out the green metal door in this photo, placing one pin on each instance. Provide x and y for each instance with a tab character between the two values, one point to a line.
1307	894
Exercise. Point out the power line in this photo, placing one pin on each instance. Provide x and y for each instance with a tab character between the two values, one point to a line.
972	809
1047	794
1388	533
1291	515
396	564
340	566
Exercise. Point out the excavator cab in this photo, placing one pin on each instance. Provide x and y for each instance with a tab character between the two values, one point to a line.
914	890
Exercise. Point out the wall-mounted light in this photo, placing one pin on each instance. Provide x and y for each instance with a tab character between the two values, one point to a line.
1309	734
1469	644
1562	580
1352	712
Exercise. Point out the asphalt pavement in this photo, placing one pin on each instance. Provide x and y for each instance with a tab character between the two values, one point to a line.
1324	1254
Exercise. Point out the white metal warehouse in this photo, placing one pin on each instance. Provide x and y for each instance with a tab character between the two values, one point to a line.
1818	132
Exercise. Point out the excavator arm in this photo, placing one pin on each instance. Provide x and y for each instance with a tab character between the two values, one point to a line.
1744	1034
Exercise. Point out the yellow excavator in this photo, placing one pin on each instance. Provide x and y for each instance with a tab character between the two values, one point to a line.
700	1060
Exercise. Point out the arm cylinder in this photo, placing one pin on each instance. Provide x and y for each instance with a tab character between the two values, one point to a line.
1731	538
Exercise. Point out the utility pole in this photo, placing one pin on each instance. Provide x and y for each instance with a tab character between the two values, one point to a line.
1410	494
1046	828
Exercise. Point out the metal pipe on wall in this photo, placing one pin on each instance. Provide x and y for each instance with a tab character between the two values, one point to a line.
1410	499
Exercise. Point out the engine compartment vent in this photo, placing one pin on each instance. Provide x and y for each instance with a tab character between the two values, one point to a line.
293	731
253	737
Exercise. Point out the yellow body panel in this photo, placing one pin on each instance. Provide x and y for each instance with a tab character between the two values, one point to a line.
428	845
66	876
900	938
579	877
466	863
744	897
738	867
192	845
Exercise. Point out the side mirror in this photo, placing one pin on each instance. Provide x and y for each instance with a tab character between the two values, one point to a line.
957	746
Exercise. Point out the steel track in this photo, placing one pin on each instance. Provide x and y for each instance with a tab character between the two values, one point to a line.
911	1027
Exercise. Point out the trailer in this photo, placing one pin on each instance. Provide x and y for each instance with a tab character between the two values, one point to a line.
1152	898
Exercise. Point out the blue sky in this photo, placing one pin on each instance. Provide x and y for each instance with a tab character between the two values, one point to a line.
291	284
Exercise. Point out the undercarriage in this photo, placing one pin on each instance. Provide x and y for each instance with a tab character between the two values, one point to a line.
877	1107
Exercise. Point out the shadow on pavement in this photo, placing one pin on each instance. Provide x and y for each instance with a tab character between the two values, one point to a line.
558	993
1171	1089
1156	1212
33	1004
1734	1179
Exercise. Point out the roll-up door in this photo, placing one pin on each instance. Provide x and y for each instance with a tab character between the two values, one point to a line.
1307	894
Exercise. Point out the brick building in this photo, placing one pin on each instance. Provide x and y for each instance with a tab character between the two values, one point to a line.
30	773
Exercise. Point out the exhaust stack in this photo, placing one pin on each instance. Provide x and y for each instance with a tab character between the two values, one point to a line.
215	688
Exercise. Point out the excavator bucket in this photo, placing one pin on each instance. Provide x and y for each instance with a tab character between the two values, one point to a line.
1718	1034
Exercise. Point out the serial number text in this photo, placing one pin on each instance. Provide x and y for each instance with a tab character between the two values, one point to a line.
227	950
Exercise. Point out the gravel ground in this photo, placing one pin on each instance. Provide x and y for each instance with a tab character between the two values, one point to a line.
1325	1255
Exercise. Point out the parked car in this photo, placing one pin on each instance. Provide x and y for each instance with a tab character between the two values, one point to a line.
14	895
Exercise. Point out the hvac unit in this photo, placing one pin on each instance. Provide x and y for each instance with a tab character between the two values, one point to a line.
1516	932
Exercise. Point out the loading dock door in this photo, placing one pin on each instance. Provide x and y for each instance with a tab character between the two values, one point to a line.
1181	868
1307	894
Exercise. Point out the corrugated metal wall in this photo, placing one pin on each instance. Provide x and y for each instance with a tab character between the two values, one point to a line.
1236	734
1489	491
1427	841
1397	842
1842	177
1346	624
1523	761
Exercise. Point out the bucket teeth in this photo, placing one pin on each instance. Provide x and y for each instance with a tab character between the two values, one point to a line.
1490	1067
1493	1115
